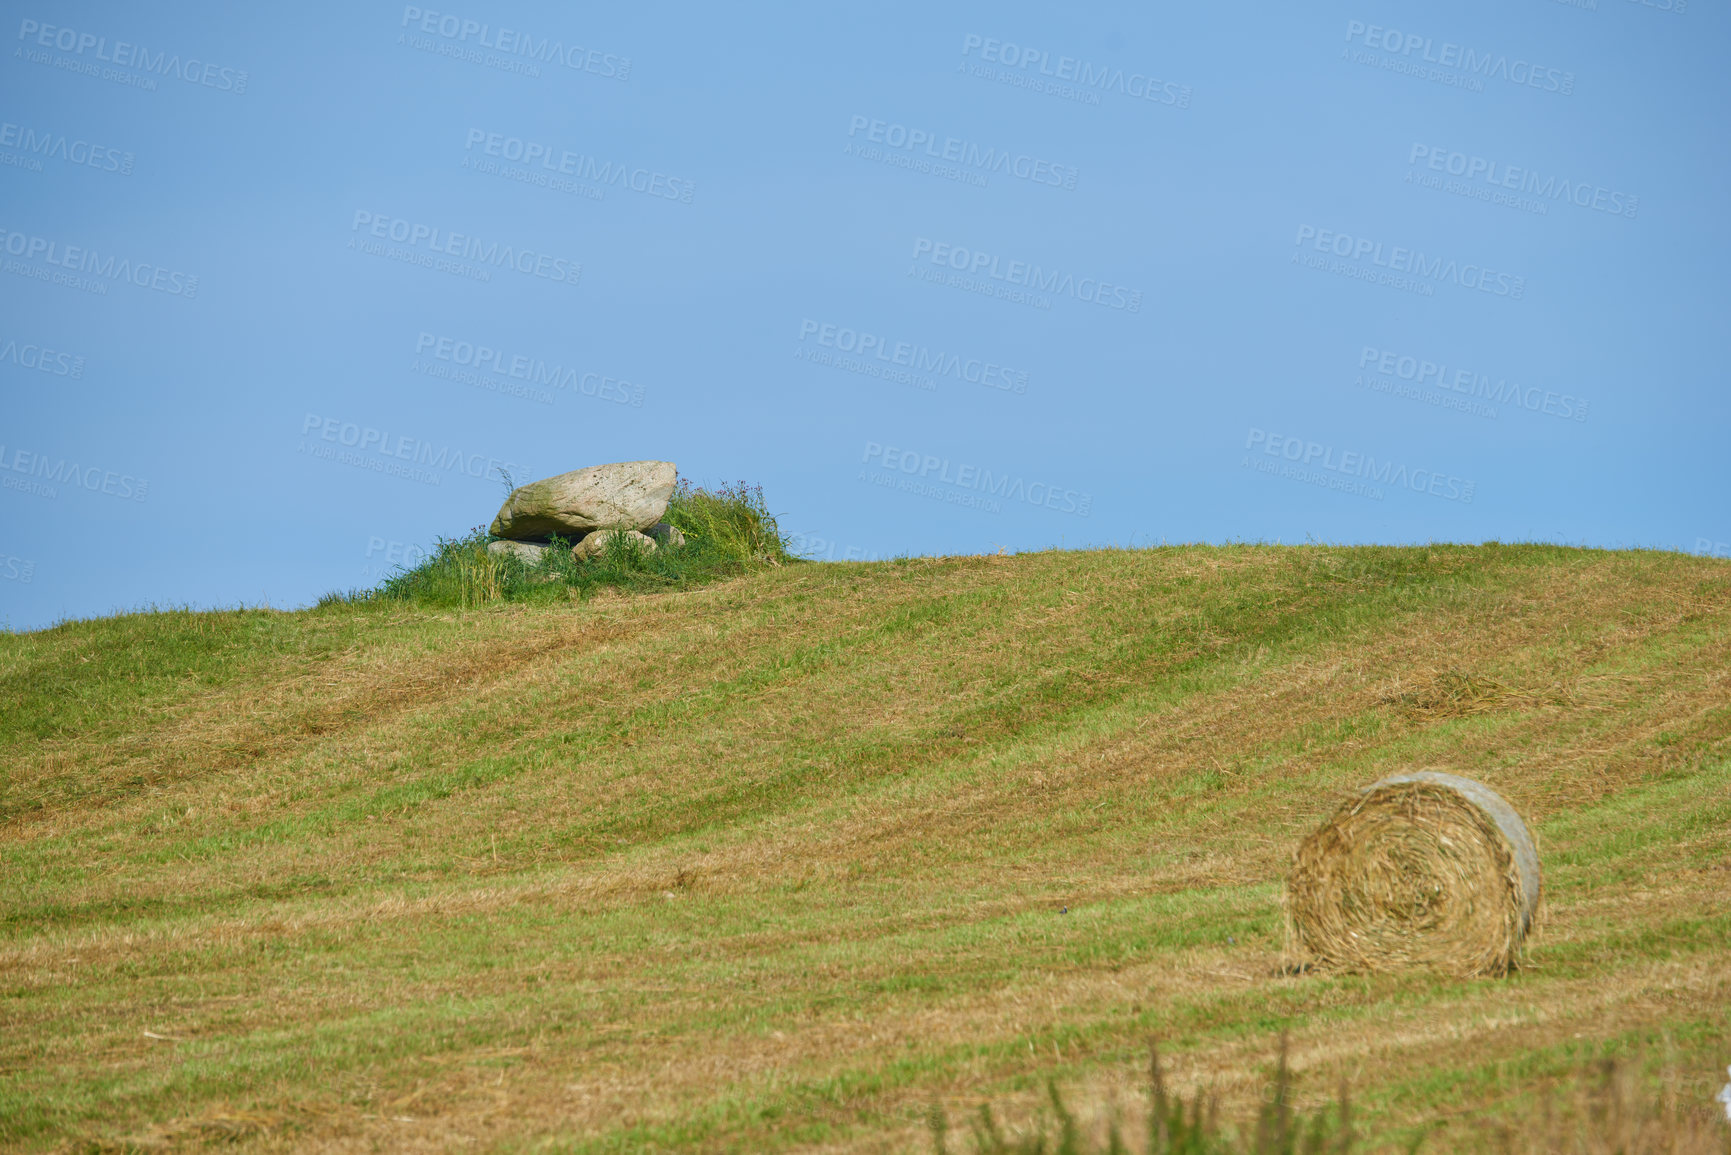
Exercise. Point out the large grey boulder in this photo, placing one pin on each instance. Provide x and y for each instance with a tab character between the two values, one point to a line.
527	551
624	495
596	542
665	534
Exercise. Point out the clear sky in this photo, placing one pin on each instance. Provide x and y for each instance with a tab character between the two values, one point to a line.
286	291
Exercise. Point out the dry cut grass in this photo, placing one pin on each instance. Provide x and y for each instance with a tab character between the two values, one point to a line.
783	862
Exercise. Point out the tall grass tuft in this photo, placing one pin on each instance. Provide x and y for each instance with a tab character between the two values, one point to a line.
1174	1127
1603	1109
459	573
728	531
733	520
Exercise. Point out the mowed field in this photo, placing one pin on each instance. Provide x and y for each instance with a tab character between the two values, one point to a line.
783	862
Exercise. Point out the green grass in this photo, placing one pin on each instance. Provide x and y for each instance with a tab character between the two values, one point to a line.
792	856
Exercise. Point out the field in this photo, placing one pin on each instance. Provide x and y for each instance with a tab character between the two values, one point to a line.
782	862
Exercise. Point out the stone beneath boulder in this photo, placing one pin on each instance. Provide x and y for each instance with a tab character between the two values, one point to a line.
665	534
593	544
625	495
526	551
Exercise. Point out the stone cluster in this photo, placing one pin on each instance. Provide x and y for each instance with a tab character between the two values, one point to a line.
588	507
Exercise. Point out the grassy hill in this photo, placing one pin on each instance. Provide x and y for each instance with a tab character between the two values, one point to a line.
784	861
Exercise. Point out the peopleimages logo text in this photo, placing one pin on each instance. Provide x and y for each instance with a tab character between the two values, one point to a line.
468	248
85	260
1005	162
41	358
564	162
1412	261
975	263
1349	464
1072	70
514	42
919	358
926	468
126	55
34	144
496	363
1433	374
397	553
65	471
815	548
1484	65
375	449
1476	170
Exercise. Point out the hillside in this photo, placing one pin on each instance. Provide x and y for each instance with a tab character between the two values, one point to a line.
783	861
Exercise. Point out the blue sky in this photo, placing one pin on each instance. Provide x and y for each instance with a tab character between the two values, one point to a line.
281	300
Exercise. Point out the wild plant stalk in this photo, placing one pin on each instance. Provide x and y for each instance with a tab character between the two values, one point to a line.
1175	1127
1603	1110
479	579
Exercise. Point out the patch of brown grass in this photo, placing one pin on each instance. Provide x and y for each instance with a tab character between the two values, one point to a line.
218	1124
1454	693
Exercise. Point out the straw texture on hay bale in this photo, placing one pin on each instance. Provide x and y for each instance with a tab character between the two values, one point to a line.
1420	870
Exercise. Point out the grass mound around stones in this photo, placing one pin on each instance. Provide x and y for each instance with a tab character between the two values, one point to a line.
728	531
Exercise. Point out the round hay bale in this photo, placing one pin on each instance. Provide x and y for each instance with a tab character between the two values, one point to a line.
1420	870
